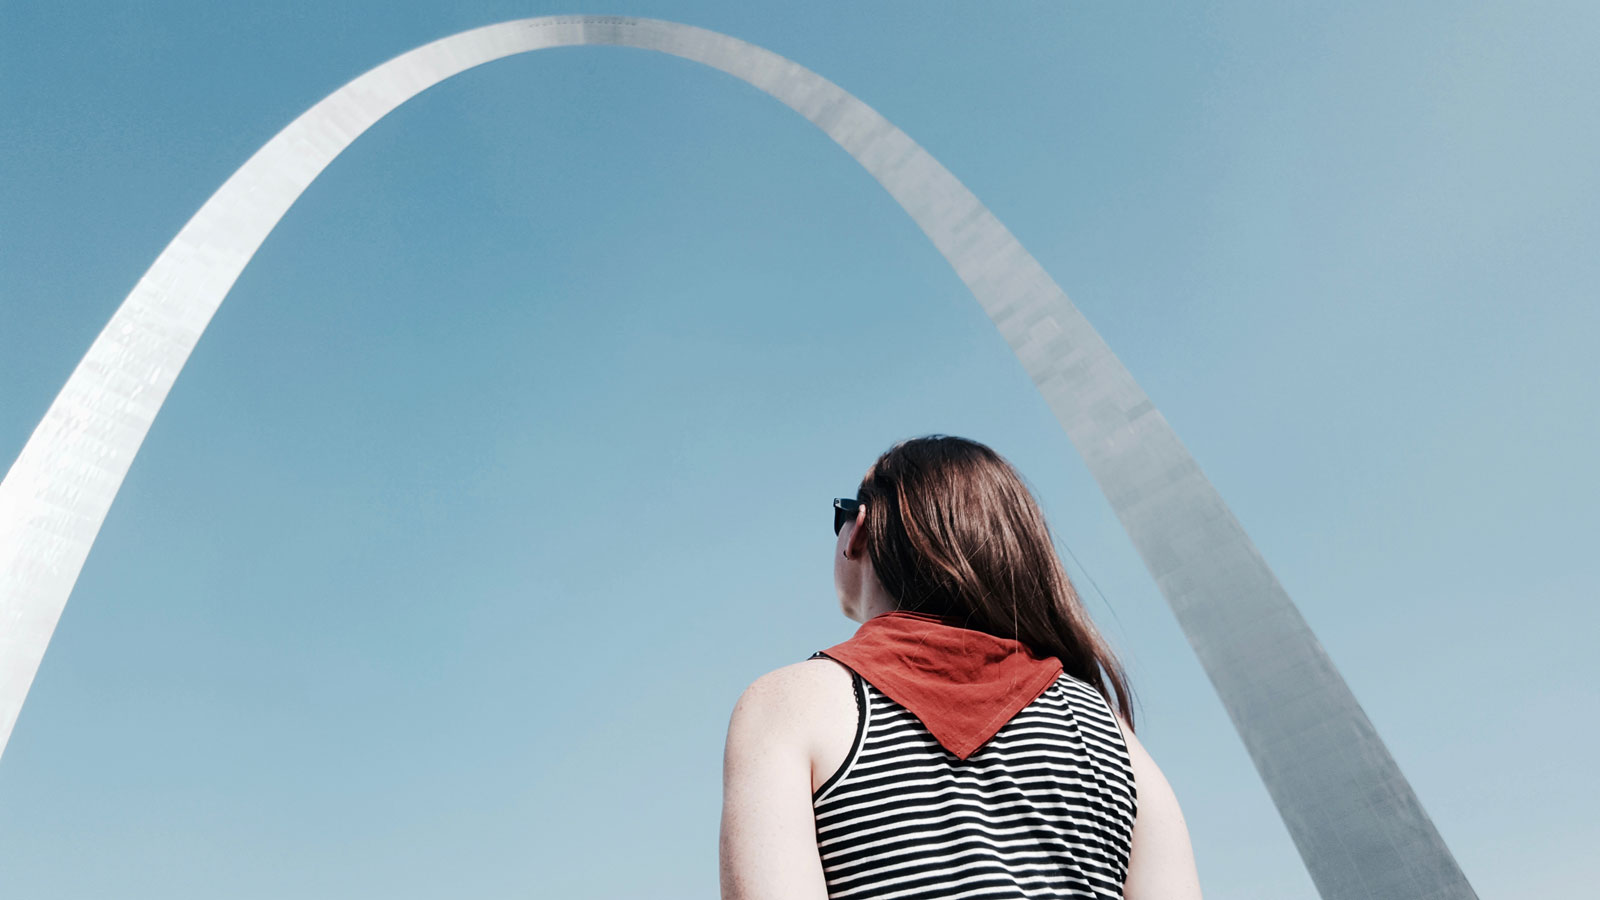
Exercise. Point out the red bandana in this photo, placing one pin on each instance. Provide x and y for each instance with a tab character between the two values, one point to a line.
962	683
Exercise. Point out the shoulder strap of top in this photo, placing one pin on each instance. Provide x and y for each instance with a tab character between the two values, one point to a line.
855	677
858	685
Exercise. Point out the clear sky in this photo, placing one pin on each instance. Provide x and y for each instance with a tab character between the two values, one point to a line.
506	465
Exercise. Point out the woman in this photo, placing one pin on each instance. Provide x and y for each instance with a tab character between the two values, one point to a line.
973	739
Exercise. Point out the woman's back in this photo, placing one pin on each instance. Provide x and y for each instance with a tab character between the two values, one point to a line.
1044	808
989	751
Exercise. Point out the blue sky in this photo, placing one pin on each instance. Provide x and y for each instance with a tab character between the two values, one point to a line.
505	466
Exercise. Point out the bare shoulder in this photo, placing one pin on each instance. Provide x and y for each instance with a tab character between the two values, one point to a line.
809	706
803	690
1136	752
1161	862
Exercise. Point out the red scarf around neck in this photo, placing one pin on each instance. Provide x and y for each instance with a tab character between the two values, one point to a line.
963	684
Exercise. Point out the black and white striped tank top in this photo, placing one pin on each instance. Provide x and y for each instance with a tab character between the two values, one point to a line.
1044	809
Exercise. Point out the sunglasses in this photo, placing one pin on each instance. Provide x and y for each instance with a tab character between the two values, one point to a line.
844	510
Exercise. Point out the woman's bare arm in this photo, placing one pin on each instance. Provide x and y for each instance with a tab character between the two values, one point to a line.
1161	866
769	828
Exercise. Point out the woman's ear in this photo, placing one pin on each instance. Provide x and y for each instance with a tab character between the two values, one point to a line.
858	534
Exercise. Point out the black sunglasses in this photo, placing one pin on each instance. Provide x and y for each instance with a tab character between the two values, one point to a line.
844	509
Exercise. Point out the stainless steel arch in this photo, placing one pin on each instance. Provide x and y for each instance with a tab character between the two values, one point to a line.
1354	818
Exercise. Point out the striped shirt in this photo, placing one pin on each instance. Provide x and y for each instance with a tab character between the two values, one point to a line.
1044	809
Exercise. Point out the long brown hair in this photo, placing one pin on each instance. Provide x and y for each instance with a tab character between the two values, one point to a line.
953	530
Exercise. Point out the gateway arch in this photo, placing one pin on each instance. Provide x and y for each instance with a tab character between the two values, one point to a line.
1353	817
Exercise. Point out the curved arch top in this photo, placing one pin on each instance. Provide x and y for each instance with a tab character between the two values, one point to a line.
1353	817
